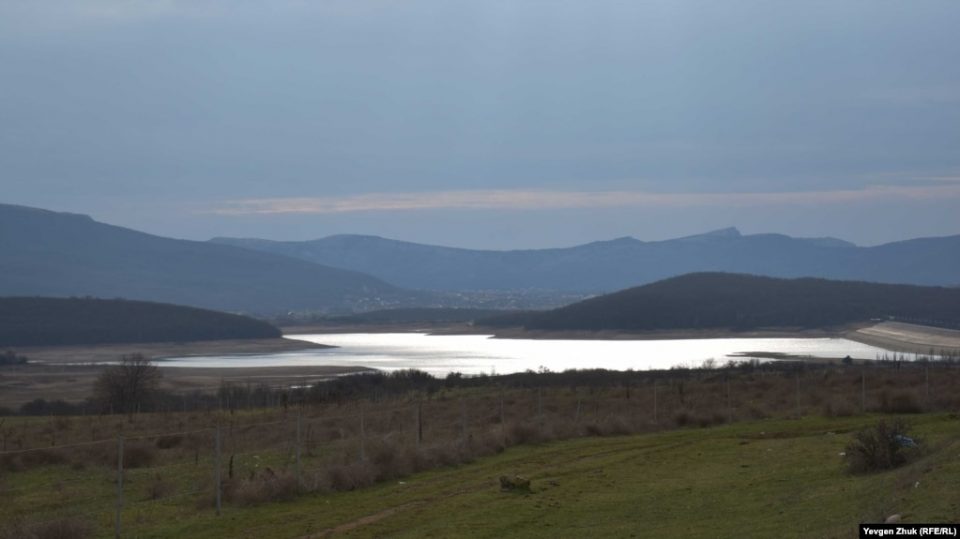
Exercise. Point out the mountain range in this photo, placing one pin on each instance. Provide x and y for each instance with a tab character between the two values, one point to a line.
53	254
45	253
606	266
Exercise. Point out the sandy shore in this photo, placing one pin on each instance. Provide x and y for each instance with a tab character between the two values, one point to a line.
68	372
113	352
772	333
908	338
520	333
74	382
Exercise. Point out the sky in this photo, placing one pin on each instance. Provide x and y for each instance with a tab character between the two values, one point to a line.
486	124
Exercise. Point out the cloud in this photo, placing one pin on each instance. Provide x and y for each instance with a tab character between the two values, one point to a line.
555	200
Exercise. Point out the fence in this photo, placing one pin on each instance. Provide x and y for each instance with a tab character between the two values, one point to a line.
124	475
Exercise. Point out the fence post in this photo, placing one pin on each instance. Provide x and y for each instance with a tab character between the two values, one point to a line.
503	422
299	469
216	470
926	374
419	424
116	524
729	404
363	436
540	407
655	421
576	415
863	391
463	420
798	395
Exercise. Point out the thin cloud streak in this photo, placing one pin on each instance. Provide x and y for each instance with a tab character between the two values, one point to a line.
557	200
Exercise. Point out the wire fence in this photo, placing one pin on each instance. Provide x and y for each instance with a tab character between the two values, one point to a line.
145	475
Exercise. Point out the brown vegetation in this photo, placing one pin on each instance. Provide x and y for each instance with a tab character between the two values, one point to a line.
347	441
881	447
57	528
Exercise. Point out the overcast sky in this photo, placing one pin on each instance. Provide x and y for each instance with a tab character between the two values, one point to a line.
496	124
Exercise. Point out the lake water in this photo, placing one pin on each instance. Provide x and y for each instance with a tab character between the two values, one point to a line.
474	354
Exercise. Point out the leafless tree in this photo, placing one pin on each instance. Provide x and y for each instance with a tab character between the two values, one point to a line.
124	388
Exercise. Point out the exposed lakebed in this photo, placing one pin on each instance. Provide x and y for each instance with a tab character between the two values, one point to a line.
474	354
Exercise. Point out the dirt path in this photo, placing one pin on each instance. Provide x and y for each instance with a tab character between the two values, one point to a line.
363	521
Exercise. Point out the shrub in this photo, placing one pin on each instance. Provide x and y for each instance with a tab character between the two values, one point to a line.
350	476
837	408
878	448
158	488
169	442
901	402
683	418
15	462
389	461
138	455
523	433
268	486
59	528
515	483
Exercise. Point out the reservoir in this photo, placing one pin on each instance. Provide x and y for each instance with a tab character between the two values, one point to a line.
476	354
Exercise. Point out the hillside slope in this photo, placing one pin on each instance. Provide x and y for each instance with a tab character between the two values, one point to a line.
616	264
736	301
44	253
780	478
59	321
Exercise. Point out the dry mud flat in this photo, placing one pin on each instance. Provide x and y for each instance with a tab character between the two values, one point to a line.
909	338
68	372
99	353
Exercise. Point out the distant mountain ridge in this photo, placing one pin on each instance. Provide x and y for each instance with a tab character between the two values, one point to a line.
604	266
741	302
45	253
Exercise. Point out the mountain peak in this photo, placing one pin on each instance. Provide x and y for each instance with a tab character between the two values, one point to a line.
719	234
623	240
729	232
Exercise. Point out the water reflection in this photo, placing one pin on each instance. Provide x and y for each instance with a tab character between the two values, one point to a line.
473	354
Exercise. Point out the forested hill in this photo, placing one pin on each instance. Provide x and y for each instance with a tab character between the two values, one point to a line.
26	321
740	302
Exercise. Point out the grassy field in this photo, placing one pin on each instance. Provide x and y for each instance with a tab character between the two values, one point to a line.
767	478
709	452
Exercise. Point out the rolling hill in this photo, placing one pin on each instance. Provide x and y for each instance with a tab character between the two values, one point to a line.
60	321
45	253
742	302
606	266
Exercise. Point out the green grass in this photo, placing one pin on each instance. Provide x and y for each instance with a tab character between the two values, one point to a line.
780	478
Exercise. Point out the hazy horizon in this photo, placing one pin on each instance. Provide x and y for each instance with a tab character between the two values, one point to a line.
495	125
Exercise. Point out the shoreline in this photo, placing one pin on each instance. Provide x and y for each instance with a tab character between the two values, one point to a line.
74	382
892	336
583	335
908	338
158	351
68	372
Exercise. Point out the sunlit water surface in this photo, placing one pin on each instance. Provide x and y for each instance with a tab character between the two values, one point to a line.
474	354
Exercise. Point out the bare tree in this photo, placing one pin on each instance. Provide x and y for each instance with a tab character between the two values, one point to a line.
124	388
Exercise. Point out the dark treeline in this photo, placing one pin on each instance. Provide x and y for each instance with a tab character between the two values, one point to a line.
414	315
743	302
9	357
63	321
